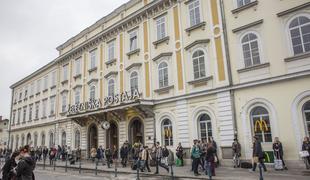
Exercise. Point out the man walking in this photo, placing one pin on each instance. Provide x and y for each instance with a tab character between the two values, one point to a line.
195	154
159	155
258	154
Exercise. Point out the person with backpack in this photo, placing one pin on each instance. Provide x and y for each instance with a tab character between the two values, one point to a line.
278	151
9	165
195	155
25	166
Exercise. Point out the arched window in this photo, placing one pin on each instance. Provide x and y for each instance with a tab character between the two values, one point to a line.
16	143
261	124
92	92
35	140
51	143
77	138
43	139
205	126
199	64
306	110
28	139
111	87
133	81
163	74
63	138
167	133
300	34
250	48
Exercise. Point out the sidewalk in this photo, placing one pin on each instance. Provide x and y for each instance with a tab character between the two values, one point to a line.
180	172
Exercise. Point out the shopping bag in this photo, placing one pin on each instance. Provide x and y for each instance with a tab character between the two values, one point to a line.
178	162
304	154
278	165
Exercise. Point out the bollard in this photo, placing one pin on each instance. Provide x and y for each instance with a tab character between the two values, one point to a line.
80	166
66	163
172	177
96	168
54	163
260	172
115	168
138	167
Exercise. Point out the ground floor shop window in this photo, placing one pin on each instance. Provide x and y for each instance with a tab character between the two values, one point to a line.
261	124
205	126
306	110
167	133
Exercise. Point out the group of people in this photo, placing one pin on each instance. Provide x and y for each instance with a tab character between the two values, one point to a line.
100	154
20	165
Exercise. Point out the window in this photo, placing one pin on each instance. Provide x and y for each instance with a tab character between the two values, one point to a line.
77	95
38	85
51	143
163	74
24	114
37	110
242	2
250	50
306	112
52	105
111	47
15	97
261	124
35	140
64	103
161	27
23	140
46	82
14	115
65	72
194	12
167	133
44	108
28	140
205	126
20	95
199	64
134	81
18	116
63	138
133	37
31	89
43	139
26	92
111	87
77	139
16	143
30	112
78	66
53	78
92	92
300	34
93	59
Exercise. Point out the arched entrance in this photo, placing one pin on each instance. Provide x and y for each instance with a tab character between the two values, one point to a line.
92	137
136	131
112	136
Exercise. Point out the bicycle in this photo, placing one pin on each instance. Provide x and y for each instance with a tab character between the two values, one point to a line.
236	160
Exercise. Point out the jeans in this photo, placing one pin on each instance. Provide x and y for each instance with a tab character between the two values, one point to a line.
196	162
261	161
158	163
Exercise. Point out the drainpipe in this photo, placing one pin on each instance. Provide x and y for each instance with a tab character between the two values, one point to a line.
10	121
232	95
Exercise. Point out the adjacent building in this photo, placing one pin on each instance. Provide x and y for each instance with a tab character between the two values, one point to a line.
173	71
4	132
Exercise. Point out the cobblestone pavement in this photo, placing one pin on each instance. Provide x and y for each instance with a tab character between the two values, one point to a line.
226	173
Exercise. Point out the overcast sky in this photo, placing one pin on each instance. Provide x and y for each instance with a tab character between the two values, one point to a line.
30	31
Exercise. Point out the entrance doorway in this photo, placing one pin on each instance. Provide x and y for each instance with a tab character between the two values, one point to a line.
112	136
92	137
136	131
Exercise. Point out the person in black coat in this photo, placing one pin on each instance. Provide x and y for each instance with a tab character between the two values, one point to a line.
25	166
278	150
9	165
306	146
124	154
258	153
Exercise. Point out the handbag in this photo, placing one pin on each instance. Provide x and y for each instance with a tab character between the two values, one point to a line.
255	159
304	154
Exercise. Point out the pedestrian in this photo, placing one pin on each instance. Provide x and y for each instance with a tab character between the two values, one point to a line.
45	152
108	156
78	154
52	155
195	155
159	156
25	166
99	155
114	152
59	151
214	144
236	149
258	154
93	154
145	157
124	154
179	153
210	160
165	155
9	165
306	147
278	151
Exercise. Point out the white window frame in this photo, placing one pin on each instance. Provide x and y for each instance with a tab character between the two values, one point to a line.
194	9
53	78
18	115
25	92
30	112
206	124
32	89
304	117
243	3
45	82
65	72
52	105
24	114
38	85
134	86
161	27
161	71
37	110
133	40
111	50
44	107
93	59
78	66
169	126
64	102
199	64
92	91
77	95
110	87
261	117
259	45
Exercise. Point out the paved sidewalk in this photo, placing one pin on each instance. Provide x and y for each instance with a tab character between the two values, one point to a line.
226	173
